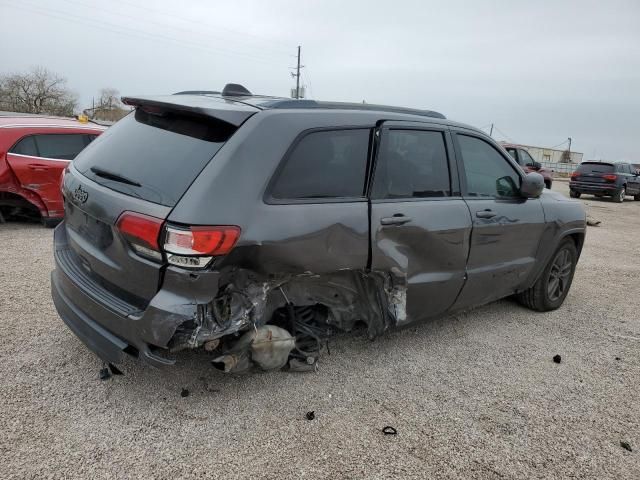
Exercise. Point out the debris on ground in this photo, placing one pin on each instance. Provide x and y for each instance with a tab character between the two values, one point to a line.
184	393
388	430
593	223
557	358
617	358
311	415
105	374
626	446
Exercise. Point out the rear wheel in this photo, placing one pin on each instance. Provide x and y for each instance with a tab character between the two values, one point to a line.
547	184
574	194
549	292
618	197
637	197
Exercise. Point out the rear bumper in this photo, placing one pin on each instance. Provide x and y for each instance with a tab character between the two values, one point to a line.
110	327
604	189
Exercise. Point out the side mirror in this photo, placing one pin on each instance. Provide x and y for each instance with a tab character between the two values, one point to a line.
535	165
532	185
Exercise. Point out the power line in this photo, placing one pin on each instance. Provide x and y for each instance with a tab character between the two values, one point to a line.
163	24
121	30
193	21
503	134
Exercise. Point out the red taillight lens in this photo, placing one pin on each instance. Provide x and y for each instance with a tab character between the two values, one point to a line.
142	232
610	177
208	241
575	174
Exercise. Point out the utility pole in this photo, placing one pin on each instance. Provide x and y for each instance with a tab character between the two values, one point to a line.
491	131
298	76
569	149
296	95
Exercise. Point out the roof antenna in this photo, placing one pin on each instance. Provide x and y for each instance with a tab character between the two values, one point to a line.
235	90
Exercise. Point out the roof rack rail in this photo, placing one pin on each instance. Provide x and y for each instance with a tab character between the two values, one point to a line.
286	103
198	92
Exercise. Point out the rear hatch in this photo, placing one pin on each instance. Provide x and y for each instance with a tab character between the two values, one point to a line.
127	182
593	172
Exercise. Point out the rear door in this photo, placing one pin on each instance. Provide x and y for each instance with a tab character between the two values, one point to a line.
38	161
420	225
633	181
506	227
142	164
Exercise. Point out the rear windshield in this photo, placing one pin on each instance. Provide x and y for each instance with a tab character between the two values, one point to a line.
153	157
595	168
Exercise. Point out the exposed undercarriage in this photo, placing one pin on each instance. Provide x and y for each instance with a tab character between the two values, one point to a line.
268	322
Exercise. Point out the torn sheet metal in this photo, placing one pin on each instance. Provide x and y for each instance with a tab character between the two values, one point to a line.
248	301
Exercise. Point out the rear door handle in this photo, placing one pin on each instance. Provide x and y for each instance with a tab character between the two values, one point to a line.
486	214
395	220
38	166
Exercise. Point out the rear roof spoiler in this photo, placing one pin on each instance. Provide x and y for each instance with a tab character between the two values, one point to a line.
231	112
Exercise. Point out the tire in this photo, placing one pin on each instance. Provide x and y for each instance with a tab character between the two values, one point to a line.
543	296
637	197
574	194
547	184
618	197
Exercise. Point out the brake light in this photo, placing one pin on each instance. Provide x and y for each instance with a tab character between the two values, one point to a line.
575	174
196	246
610	177
142	233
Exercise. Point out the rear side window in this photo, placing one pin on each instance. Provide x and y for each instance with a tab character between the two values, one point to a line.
488	173
595	168
60	146
155	157
325	164
412	164
26	146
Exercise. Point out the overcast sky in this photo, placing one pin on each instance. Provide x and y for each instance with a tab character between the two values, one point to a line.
541	71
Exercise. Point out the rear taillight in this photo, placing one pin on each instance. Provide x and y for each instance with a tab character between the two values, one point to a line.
196	246
142	233
575	174
610	177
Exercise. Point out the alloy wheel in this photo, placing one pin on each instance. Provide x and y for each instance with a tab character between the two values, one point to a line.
559	275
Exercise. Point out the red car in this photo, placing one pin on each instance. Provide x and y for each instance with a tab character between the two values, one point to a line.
34	151
528	164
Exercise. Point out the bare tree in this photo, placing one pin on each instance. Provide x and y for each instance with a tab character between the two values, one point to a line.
109	99
36	91
109	107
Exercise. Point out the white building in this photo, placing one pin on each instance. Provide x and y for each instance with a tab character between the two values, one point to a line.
548	155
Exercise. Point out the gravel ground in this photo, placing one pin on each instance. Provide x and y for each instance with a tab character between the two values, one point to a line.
475	395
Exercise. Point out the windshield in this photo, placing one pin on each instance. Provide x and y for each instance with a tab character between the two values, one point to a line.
153	157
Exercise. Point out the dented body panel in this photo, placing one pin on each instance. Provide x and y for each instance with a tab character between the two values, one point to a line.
336	262
31	181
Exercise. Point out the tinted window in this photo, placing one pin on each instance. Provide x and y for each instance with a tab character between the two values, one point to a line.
526	158
327	164
514	154
26	146
487	172
163	154
595	168
412	163
60	146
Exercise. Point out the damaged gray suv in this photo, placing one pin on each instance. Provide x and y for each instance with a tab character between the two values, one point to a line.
253	227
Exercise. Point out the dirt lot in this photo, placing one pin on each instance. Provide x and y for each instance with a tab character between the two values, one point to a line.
475	395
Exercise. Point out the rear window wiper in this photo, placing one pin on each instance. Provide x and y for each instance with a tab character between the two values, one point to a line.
114	176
